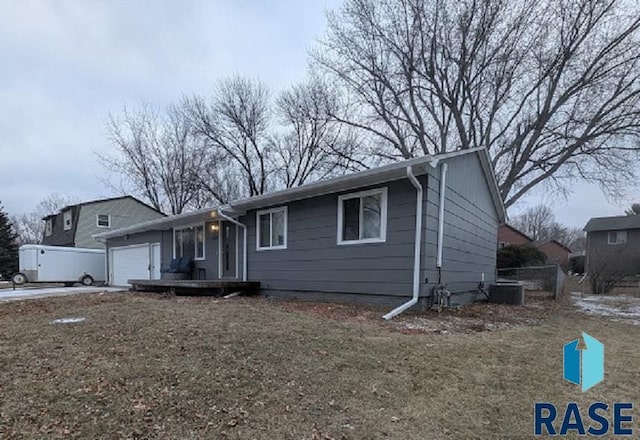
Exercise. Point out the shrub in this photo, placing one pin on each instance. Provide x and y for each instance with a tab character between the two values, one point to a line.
576	264
520	256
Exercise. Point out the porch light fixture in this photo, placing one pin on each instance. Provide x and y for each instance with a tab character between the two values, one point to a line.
214	227
214	214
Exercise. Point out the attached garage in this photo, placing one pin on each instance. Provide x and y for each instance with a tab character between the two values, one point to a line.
141	262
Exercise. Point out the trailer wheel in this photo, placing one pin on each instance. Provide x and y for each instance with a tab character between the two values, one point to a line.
19	279
86	280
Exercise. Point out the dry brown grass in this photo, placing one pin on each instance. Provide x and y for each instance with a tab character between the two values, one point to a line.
180	368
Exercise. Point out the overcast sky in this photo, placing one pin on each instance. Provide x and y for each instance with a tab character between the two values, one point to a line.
66	64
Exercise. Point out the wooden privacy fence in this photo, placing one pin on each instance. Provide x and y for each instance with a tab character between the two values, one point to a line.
549	278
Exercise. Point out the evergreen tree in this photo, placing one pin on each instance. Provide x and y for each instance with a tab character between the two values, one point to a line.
634	210
8	246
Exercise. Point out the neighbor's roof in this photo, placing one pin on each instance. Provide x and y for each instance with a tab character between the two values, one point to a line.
372	176
542	243
517	231
91	202
617	223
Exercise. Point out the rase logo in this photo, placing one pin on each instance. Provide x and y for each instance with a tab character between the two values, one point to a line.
583	365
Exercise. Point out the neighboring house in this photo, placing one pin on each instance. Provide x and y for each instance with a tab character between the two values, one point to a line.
371	236
75	225
508	235
613	246
577	254
555	251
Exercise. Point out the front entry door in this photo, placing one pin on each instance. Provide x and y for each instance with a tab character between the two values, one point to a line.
228	252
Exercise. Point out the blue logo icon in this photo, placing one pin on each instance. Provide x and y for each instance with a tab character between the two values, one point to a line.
584	366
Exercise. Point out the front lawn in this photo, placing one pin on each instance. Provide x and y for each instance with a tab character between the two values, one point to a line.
146	367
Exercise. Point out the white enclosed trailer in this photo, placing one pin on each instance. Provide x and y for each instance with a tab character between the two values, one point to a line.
55	264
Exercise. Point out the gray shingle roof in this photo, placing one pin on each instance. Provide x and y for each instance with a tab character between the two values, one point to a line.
617	223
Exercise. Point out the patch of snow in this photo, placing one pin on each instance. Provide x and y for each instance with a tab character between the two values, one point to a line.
616	307
605	298
67	320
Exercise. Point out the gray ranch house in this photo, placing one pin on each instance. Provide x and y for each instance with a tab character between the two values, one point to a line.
389	235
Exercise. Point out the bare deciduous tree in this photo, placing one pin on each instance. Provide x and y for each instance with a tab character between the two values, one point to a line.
257	146
539	223
235	125
574	238
29	226
238	143
606	269
313	145
550	88
158	156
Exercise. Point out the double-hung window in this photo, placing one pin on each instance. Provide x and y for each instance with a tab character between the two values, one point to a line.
362	217
67	220
48	227
103	220
617	237
189	242
272	228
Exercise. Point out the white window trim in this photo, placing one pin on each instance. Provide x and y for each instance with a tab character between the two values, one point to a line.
204	241
98	221
616	242
286	228
64	220
48	228
383	215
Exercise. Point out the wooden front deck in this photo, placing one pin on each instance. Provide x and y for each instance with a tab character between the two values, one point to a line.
196	287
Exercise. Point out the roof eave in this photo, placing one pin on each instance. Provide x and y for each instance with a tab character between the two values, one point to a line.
485	160
160	224
373	176
332	186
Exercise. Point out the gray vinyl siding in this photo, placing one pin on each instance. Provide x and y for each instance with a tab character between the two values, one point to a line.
470	228
136	239
313	264
59	236
211	249
165	238
124	212
313	261
210	262
613	259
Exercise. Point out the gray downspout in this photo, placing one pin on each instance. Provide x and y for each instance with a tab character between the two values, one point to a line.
416	249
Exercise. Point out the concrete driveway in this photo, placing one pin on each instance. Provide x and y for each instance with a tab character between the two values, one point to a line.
31	292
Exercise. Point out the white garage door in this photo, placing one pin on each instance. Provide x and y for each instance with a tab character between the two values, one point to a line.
129	263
